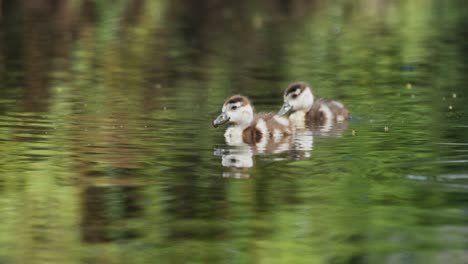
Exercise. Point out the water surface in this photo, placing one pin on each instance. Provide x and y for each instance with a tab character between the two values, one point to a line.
108	154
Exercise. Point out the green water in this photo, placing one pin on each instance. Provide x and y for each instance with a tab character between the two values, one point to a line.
107	153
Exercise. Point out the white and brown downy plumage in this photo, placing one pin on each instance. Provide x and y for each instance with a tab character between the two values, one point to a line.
250	128
305	111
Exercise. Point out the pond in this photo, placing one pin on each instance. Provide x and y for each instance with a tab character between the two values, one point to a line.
108	154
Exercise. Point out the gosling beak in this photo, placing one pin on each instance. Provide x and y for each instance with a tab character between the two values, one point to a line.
286	108
221	119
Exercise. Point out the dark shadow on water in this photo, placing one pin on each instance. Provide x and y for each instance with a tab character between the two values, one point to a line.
105	209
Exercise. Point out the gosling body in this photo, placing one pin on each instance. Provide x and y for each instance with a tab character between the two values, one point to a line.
305	110
247	127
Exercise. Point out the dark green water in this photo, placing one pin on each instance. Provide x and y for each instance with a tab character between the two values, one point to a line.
108	154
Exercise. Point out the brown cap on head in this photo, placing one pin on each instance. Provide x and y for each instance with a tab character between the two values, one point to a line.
237	98
293	87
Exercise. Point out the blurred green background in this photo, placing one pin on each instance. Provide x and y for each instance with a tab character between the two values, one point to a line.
106	144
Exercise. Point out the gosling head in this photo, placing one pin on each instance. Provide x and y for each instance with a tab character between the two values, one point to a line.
297	97
236	109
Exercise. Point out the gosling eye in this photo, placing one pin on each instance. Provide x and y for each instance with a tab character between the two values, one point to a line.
234	107
294	96
233	160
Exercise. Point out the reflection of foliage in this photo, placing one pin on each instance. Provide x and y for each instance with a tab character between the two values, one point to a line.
130	87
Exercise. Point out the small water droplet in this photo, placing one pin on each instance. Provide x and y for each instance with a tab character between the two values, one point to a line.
257	21
386	129
337	29
164	108
409	86
450	107
413	96
353	132
454	95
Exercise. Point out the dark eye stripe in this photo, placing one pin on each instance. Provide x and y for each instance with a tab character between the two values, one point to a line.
293	88
235	100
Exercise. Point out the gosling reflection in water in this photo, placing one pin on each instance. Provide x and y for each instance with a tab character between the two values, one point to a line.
239	158
330	130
